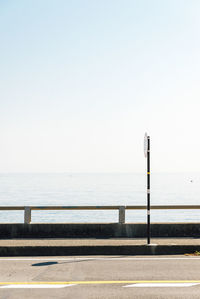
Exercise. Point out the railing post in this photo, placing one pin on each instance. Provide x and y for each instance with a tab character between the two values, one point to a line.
122	214
27	215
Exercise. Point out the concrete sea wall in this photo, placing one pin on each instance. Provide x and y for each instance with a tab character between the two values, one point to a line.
97	230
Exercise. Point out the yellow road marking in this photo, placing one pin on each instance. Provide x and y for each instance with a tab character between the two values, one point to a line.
98	282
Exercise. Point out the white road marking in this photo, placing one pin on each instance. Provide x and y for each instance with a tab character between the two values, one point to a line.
101	259
159	285
125	283
36	286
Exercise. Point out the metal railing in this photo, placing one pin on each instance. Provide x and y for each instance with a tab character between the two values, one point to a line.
122	209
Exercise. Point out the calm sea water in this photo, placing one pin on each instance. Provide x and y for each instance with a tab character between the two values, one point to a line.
98	189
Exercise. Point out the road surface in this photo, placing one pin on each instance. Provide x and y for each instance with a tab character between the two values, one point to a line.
100	277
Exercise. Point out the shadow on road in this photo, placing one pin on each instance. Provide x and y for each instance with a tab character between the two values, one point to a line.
44	264
69	262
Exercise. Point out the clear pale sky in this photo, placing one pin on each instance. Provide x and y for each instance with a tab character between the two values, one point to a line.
81	81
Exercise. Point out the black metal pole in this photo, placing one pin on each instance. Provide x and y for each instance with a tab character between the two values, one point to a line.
148	191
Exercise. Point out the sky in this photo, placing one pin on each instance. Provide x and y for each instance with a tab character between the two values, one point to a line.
81	82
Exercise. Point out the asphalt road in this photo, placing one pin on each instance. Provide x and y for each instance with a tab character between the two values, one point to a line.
100	277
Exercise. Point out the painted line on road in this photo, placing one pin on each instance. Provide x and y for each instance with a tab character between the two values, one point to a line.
160	285
100	259
142	282
36	286
51	285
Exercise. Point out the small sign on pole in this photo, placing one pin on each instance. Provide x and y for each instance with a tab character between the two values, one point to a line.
147	155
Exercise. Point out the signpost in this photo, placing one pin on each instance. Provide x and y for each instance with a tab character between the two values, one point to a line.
147	155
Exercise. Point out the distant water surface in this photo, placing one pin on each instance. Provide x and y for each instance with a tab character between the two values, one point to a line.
98	189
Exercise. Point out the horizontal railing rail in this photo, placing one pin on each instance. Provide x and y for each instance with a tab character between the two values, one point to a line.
153	207
27	209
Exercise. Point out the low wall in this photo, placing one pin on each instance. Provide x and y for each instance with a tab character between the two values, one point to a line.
97	230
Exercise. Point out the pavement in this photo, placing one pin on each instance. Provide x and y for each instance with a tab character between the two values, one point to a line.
59	247
100	277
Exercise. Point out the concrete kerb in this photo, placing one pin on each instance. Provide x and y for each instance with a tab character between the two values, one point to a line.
97	250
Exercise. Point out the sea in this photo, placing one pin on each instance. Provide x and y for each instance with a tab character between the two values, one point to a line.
74	189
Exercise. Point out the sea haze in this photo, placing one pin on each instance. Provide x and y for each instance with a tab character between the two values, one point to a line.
65	189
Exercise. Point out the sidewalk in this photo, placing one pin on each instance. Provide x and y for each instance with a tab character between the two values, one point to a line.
56	247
